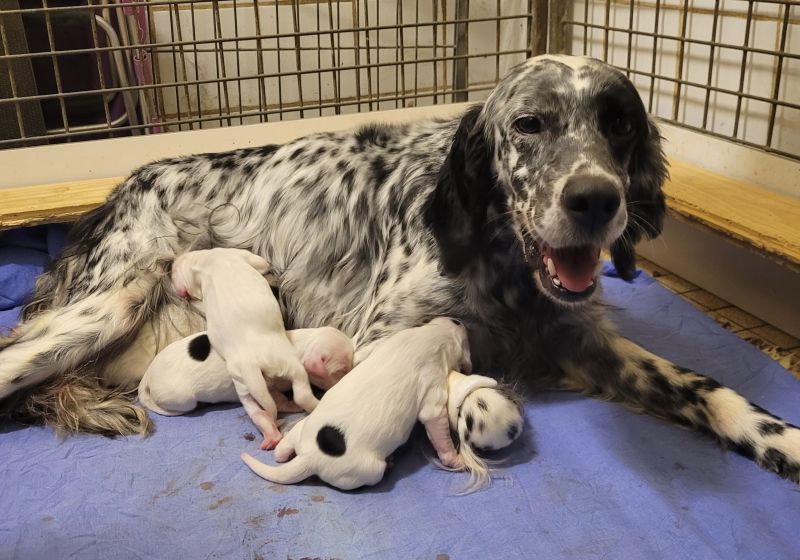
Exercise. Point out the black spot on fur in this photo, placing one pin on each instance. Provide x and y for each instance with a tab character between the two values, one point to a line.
681	369
480	403
200	348
769	428
512	432
777	462
295	154
379	171
481	426
470	421
744	448
372	134
330	440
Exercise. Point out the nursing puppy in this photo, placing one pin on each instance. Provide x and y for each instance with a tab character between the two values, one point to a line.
246	327
371	412
190	371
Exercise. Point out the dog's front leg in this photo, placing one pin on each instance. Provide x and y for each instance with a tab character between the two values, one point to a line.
625	372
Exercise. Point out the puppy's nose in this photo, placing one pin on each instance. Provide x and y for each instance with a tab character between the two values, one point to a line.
591	201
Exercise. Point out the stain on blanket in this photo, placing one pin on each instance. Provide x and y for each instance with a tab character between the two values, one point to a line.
284	511
221	502
47	518
279	488
249	436
207	485
442	556
317	498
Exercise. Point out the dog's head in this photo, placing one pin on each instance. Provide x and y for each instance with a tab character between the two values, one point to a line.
563	149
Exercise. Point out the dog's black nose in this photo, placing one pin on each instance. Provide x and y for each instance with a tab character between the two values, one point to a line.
591	201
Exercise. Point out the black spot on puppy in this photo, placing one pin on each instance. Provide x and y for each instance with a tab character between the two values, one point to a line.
482	405
331	441
512	432
470	421
200	348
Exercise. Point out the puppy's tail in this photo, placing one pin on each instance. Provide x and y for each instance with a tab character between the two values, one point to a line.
294	471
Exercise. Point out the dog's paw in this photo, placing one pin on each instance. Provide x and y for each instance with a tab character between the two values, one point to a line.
270	442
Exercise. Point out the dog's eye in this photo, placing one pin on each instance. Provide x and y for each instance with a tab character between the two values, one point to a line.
622	127
528	125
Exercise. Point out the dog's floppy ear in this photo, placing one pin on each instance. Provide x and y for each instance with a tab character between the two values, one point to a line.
456	210
645	201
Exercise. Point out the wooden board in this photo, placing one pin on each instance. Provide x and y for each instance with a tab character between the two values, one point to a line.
62	202
768	222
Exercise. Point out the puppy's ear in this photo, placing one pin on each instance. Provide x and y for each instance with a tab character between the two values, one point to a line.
645	201
456	211
259	263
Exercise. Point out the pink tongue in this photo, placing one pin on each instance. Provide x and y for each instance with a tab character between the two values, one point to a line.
575	266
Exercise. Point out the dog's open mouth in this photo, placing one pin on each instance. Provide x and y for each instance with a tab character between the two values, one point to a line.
567	273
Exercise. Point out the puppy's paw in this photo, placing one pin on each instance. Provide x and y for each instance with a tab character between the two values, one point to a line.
270	442
452	461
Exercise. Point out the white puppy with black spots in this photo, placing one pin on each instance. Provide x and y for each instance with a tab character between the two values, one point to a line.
246	327
189	371
371	412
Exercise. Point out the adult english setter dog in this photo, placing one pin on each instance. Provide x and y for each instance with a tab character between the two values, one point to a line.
496	218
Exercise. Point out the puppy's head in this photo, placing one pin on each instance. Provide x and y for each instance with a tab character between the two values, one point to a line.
328	356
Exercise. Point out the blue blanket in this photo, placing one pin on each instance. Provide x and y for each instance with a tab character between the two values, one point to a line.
588	479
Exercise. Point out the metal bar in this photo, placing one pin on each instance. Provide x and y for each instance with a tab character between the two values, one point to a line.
630	37
100	71
460	67
278	45
586	28
297	59
56	70
676	97
182	52
558	18
369	58
776	88
238	54
336	72
219	63
539	23
175	66
606	30
402	54
742	69
13	81
319	57
357	43
435	52
196	65
262	90
710	64
651	93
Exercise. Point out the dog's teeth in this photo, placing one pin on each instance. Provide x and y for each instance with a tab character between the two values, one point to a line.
551	266
556	281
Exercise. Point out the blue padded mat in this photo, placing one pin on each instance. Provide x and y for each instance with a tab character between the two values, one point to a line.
588	480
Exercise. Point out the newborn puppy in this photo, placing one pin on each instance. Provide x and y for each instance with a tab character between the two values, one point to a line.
371	412
246	327
190	371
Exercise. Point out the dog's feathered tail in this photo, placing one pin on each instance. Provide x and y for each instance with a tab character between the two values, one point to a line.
296	470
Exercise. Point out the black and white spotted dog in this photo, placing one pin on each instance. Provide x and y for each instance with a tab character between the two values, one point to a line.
496	218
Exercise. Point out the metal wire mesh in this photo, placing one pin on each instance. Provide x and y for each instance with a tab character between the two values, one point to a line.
727	68
76	70
82	69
